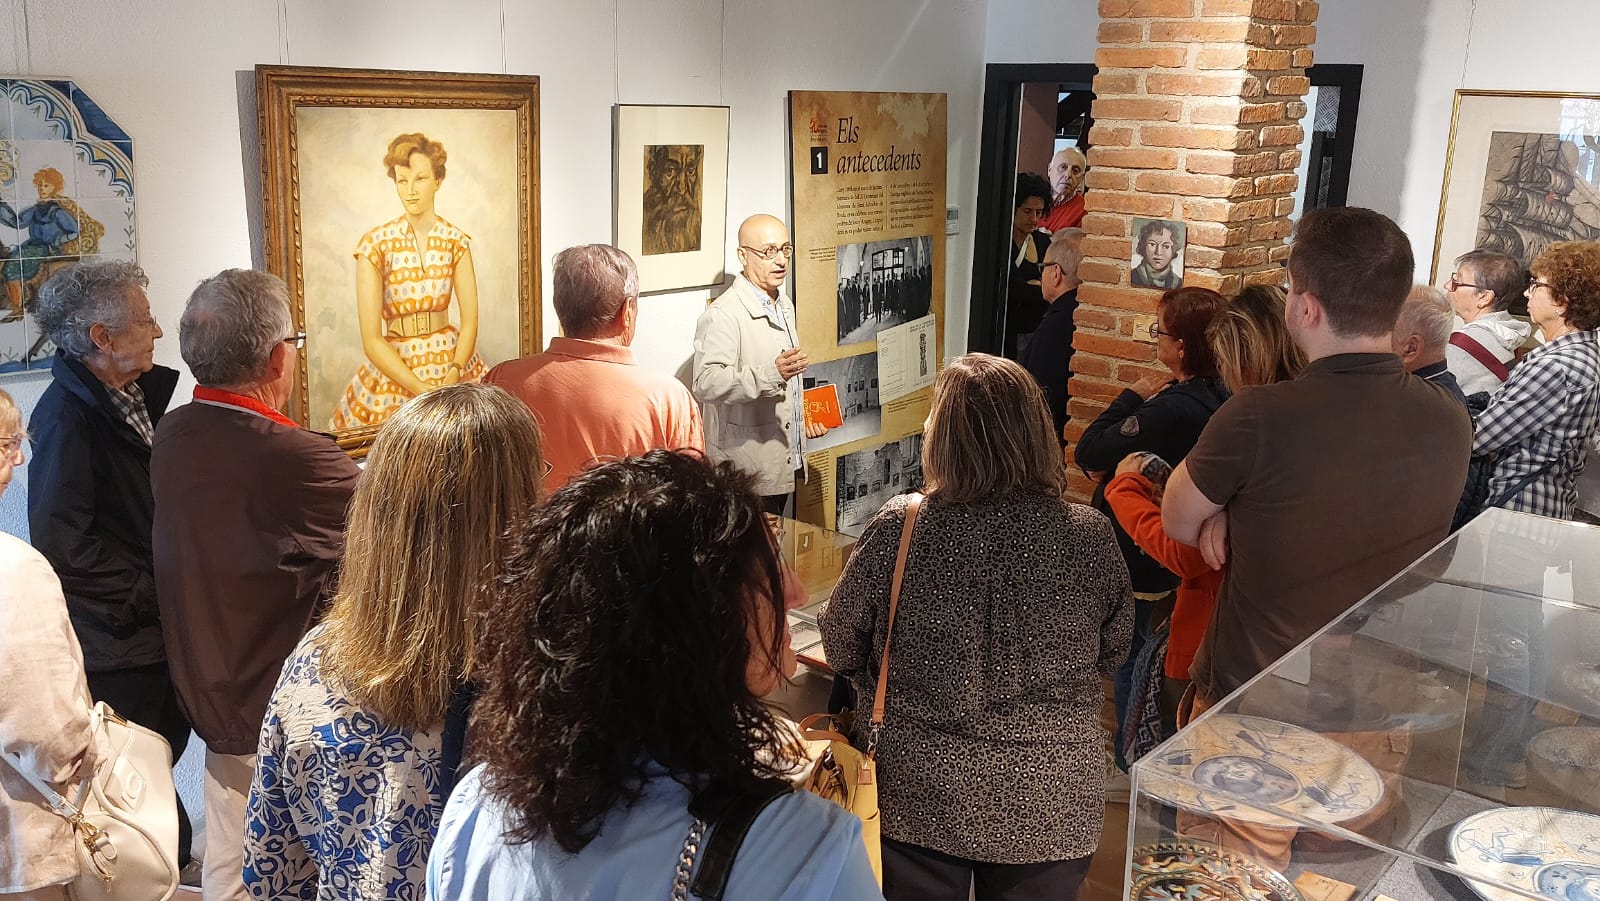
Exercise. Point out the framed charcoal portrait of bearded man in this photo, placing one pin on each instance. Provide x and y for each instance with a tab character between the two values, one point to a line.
670	181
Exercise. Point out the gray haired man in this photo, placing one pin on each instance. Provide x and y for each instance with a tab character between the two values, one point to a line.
249	525
1421	335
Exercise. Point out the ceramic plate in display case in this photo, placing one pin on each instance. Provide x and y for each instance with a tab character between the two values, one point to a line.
1553	852
1256	765
1196	871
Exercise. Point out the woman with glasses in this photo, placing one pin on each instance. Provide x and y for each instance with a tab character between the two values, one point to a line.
44	704
1162	414
364	731
1483	288
1539	425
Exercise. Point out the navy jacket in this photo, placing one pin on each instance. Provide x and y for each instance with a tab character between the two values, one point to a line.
90	512
1167	425
1048	356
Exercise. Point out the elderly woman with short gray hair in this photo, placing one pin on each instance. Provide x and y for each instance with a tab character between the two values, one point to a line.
89	503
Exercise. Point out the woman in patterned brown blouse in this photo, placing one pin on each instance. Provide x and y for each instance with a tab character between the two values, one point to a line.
1015	605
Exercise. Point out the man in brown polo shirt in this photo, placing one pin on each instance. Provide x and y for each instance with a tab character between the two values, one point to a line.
1317	490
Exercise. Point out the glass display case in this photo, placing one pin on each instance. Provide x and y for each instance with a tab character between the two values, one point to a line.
1441	739
818	556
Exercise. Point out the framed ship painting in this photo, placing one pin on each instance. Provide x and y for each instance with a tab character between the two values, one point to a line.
1523	172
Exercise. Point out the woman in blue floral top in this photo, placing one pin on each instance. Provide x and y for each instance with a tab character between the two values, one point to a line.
357	752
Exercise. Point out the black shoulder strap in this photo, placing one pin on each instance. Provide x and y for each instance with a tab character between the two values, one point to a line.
727	834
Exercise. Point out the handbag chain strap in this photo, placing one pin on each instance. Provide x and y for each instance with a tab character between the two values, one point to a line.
879	696
691	849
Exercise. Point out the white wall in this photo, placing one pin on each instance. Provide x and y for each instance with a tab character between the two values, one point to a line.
176	74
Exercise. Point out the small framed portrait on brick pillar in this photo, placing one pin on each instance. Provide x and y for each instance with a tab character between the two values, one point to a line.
1157	257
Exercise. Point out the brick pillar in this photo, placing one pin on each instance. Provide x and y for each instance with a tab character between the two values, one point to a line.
1197	110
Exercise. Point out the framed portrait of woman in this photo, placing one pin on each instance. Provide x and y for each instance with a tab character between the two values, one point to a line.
402	208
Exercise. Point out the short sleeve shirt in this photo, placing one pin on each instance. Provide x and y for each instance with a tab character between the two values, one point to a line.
1333	483
418	276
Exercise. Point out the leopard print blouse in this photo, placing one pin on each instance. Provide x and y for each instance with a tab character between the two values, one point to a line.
1011	612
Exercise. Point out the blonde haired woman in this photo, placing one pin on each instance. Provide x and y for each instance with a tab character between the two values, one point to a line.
363	732
1251	342
408	271
1015	605
44	704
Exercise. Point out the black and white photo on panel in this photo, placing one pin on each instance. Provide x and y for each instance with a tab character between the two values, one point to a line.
881	284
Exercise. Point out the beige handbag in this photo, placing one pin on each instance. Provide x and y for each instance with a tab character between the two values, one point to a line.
125	815
844	773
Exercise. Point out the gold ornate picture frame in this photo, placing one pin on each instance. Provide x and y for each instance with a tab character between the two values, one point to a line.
402	209
1522	172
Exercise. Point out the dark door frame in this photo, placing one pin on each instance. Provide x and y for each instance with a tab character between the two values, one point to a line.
998	159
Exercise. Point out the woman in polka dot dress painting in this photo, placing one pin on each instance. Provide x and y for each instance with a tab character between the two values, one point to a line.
408	271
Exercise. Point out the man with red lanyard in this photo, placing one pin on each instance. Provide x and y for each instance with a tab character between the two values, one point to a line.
249	525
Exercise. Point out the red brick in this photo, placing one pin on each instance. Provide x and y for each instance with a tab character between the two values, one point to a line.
1140	57
1105	224
1108	180
1120	348
1303	57
1294	109
1252	87
1216	234
1289	85
1307	11
1221	113
1191	185
1197	257
1253	209
1226	285
1131	373
1289	160
1282	136
1220	163
1139	110
1285	206
1278	254
1198	32
1110	248
1284	183
1146	9
1243	257
1262	113
1294	36
1275	9
1271	230
1224	57
1258	163
1275	60
1101	272
1094	319
1121	32
1079	486
1134	300
1194	85
1129	202
1198	137
1109	83
1136	158
1082	409
1109	136
1100	390
1273	276
1227	7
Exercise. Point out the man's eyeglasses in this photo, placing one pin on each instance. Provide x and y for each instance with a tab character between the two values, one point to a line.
1456	282
771	250
1046	267
298	339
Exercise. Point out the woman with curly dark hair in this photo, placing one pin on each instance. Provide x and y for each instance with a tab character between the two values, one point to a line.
640	621
1025	305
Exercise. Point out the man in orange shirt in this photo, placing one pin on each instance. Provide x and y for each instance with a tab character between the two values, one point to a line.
592	400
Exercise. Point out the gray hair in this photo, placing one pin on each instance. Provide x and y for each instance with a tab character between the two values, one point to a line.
1496	272
591	283
1066	251
230	325
73	300
1426	314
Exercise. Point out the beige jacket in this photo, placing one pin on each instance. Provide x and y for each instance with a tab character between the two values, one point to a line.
745	404
44	717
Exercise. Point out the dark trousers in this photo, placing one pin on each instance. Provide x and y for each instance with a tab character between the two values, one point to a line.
911	873
1122	684
145	696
